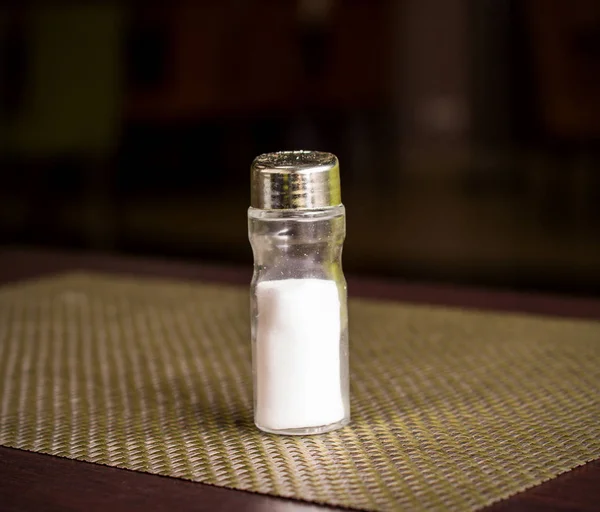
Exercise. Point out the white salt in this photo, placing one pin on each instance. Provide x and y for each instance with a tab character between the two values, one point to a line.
298	354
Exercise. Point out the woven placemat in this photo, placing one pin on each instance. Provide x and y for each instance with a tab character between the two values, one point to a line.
451	409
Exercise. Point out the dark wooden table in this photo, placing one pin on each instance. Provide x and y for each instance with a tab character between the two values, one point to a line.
32	481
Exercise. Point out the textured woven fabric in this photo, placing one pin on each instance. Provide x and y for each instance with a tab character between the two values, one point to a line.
451	409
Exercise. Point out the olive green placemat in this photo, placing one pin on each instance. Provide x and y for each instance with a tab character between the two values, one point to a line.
451	409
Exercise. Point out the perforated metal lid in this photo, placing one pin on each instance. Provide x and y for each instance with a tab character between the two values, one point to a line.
295	180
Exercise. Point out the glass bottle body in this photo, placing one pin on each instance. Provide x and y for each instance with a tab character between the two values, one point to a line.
299	320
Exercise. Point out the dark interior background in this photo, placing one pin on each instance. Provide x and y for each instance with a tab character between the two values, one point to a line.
467	130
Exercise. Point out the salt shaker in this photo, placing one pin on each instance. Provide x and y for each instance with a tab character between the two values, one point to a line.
297	226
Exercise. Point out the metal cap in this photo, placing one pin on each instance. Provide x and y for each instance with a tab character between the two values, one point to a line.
295	180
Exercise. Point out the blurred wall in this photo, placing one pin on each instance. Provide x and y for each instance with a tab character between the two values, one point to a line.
71	98
467	130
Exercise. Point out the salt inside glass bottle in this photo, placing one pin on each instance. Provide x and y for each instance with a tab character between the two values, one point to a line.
297	226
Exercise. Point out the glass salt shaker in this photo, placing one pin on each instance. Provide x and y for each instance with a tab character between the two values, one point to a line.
297	226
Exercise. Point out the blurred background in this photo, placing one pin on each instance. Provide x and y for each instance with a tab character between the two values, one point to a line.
468	131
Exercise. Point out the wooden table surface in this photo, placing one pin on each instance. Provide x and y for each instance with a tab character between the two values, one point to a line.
32	481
